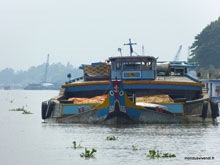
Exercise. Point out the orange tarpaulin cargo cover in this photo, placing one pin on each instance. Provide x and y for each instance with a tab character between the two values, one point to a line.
93	100
155	99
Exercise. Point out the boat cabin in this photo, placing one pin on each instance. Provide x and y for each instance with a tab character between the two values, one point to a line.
213	89
174	68
133	68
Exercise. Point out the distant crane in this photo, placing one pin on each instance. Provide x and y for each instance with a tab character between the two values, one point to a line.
176	58
46	68
188	53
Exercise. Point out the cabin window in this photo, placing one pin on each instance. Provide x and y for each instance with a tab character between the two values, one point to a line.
178	71
131	65
116	66
149	65
144	65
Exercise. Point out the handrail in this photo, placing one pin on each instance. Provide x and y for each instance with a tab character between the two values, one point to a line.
193	78
74	80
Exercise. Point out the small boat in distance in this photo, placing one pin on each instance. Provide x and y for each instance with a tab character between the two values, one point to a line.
8	87
44	85
132	89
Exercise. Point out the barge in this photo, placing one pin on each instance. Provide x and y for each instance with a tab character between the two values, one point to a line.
132	90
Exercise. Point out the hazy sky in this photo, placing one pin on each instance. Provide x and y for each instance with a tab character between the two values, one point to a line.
85	31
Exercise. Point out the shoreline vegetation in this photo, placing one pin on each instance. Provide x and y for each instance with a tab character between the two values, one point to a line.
57	73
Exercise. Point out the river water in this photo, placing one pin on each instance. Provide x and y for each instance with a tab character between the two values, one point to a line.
26	140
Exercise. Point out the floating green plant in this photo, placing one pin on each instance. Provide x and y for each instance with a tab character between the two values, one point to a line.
74	145
167	155
88	153
111	138
134	148
26	112
18	109
153	154
157	154
22	110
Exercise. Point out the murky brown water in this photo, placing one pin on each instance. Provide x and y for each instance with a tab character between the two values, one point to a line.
26	139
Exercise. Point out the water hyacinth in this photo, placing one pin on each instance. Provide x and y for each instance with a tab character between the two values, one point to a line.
111	138
75	146
157	154
88	154
134	148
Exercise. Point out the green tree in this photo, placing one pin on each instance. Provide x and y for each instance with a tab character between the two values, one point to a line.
208	72
206	48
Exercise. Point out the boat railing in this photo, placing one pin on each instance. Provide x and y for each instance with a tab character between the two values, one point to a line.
193	78
74	80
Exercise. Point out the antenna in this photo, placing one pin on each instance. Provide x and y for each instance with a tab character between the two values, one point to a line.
130	44
143	50
46	68
119	49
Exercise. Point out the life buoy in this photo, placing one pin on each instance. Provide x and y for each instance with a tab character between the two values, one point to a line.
204	109
44	106
214	108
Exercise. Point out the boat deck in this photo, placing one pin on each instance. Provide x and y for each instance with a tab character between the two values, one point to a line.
174	78
159	80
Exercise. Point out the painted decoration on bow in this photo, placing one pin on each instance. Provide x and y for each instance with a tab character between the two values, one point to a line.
117	96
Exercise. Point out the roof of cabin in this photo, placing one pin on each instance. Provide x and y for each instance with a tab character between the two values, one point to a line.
131	57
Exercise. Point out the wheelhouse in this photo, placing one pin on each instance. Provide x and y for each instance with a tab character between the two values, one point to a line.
133	68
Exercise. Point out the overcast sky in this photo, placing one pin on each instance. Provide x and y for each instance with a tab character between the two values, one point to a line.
85	31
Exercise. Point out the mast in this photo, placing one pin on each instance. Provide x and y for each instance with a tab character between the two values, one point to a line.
46	68
143	50
130	44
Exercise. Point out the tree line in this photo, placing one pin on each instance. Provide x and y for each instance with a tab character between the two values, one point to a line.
206	50
57	72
